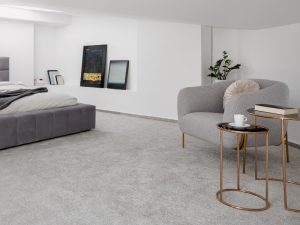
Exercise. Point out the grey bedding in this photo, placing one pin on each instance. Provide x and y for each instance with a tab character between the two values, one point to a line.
27	127
8	97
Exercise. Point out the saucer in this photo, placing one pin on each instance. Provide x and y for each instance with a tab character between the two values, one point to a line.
243	126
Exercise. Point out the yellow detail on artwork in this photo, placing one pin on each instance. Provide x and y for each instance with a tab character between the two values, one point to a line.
92	76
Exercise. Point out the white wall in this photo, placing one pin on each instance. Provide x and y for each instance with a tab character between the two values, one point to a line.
169	57
45	51
207	53
164	57
226	40
119	34
272	53
17	42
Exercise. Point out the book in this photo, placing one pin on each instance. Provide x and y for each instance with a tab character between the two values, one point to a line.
275	109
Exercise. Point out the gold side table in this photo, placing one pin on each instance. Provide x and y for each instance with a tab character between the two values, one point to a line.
255	130
284	153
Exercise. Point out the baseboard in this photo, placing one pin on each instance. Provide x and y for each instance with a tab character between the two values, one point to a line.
292	144
139	116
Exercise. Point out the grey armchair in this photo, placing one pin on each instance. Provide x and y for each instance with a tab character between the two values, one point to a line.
201	108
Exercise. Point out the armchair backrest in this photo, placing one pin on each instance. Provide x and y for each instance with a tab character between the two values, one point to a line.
209	98
271	92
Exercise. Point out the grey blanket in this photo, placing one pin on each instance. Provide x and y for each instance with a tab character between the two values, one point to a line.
8	97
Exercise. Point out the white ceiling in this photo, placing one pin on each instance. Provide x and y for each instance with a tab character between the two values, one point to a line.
246	14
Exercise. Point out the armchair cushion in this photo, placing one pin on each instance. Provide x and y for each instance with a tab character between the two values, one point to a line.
203	125
238	87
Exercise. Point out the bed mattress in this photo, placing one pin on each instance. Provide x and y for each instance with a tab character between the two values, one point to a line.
40	101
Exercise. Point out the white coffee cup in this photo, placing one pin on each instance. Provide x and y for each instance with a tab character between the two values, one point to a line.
239	120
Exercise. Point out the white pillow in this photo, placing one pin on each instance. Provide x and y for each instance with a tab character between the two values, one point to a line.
12	87
238	87
3	83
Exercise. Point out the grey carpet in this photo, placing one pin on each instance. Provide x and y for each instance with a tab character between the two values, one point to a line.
132	171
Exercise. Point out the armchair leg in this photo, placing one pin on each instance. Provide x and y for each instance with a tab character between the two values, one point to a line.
287	147
183	141
245	152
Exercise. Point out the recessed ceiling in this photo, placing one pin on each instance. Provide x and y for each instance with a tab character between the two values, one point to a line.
243	14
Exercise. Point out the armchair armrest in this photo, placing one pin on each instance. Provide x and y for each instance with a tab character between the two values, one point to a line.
201	98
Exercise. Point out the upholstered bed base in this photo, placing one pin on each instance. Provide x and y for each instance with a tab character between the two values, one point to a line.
27	127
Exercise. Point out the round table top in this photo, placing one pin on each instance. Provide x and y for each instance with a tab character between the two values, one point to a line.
254	112
245	130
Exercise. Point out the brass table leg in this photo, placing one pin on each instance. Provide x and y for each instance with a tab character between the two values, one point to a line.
221	165
245	153
255	139
267	169
284	178
287	147
283	165
219	194
238	163
284	171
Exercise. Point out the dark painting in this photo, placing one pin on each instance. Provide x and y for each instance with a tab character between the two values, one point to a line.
93	66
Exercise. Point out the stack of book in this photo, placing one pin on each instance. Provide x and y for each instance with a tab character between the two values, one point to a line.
276	109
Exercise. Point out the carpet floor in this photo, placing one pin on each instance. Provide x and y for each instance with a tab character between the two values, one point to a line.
132	171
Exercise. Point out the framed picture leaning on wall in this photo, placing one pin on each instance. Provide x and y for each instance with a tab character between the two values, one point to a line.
93	66
52	76
118	73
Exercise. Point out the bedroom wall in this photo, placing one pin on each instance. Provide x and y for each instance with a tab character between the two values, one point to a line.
119	34
17	42
164	57
44	50
226	40
271	53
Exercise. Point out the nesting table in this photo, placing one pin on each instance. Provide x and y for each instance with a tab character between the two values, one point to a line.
282	119
252	130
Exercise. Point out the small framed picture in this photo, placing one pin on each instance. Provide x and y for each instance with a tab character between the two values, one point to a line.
59	80
52	76
118	73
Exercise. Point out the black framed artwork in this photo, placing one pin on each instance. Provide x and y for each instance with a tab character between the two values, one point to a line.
93	66
118	73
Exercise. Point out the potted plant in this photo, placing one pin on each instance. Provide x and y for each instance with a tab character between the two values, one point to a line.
222	68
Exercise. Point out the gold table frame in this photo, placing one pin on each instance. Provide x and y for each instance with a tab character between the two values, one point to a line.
219	195
284	180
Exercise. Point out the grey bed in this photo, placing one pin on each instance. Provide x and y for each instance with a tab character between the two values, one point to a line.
27	127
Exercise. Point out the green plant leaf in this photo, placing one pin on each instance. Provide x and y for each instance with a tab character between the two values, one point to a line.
221	68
